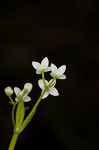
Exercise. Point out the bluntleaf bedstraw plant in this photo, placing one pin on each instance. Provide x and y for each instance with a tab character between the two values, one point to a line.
19	120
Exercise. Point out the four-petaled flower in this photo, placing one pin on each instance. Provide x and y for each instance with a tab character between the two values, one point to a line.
43	67
58	73
19	93
52	90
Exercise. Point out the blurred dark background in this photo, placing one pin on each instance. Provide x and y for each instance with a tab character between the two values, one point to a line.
67	32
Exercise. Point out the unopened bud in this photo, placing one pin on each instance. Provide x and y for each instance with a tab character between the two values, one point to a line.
8	91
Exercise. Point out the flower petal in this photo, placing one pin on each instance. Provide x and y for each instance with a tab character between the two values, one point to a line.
45	95
41	84
28	86
52	74
61	70
53	68
27	99
45	62
17	91
21	93
48	69
62	77
54	91
38	72
36	65
16	98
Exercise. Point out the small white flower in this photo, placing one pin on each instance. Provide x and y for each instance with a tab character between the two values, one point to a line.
41	67
19	93
58	73
8	91
52	91
28	87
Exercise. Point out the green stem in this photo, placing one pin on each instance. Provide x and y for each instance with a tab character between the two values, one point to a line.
27	120
12	102
13	120
43	77
51	83
13	141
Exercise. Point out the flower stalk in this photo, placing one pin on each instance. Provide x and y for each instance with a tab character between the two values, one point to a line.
13	141
48	87
26	121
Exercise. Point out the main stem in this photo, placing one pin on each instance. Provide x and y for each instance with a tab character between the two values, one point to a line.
13	141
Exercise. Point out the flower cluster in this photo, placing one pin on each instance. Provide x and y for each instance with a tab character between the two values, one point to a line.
19	120
56	73
20	94
41	68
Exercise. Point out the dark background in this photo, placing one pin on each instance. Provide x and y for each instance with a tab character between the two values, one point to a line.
67	32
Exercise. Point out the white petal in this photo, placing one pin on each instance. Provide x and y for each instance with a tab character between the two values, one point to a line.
54	91
17	91
28	86
43	67
52	74
62	77
48	69
46	82
61	70
25	95
45	95
27	99
53	68
36	65
45	62
41	84
38	72
16	98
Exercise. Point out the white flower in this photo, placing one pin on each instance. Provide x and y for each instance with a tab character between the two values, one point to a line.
8	91
52	91
58	73
19	93
28	87
41	67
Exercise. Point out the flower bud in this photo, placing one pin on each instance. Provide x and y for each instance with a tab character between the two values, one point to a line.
28	87
8	91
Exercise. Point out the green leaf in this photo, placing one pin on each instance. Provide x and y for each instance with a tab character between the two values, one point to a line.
20	113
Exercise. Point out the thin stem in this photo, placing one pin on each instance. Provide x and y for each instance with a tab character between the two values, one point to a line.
28	118
12	102
43	77
51	83
12	115
13	141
